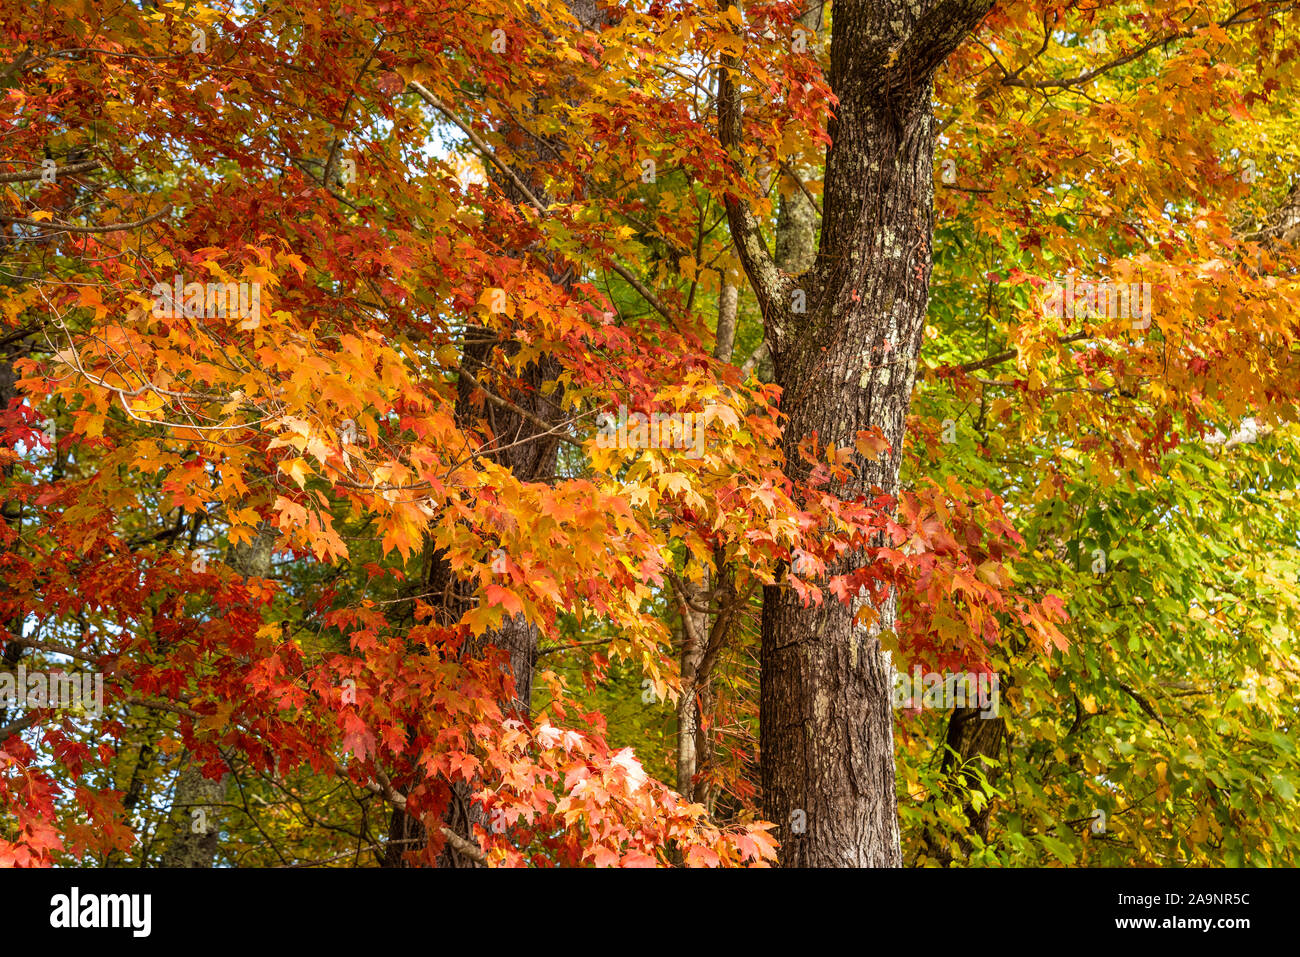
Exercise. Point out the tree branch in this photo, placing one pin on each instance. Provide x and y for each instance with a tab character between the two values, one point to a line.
70	169
1010	354
22	724
937	32
384	788
768	281
70	228
488	154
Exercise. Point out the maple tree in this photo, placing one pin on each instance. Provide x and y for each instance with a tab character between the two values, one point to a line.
371	421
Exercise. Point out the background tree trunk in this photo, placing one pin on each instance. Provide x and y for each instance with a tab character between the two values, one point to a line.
971	742
530	455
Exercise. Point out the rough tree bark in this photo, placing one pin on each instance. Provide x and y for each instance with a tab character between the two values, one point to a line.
847	363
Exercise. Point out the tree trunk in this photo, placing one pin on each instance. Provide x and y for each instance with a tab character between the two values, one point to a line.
194	814
846	362
694	624
971	743
530	455
693	747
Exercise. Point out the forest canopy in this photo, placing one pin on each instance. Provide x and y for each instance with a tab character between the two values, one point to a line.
585	433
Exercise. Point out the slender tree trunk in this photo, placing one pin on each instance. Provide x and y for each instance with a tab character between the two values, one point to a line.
530	455
693	706
724	342
688	705
847	362
10	512
796	250
529	461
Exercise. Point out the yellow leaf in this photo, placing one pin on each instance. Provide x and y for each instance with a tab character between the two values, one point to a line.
245	516
150	402
297	469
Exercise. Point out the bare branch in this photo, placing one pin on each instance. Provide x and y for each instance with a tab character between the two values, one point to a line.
768	282
69	170
59	227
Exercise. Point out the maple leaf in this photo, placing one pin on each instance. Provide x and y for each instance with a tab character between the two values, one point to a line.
297	469
498	595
